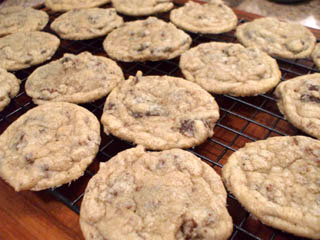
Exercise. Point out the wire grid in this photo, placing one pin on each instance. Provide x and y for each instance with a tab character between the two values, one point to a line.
242	120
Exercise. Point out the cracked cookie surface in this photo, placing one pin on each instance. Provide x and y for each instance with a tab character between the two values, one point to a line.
281	39
48	146
74	78
82	24
212	18
65	5
9	87
142	7
142	40
299	102
170	195
160	112
21	19
24	49
227	68
278	181
316	55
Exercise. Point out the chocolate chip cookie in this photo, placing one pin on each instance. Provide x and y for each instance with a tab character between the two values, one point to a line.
142	40
160	112
21	19
9	87
278	181
48	146
214	17
24	49
82	24
65	5
170	195
299	101
142	7
281	39
316	55
74	78
228	68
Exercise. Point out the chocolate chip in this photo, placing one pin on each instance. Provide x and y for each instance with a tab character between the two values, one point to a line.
50	90
167	49
135	80
314	88
208	123
142	47
309	98
152	113
187	128
136	114
43	51
29	158
110	106
188	229
66	59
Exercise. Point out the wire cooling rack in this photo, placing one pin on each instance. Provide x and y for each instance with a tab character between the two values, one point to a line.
242	120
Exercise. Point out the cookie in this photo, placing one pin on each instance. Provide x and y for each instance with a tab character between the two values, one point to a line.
48	146
316	55
66	5
82	24
280	39
142	7
170	195
213	18
228	68
160	112
21	19
299	102
9	88
278	181
74	78
151	39
24	49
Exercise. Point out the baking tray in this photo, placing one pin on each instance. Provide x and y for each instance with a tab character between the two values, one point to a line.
242	120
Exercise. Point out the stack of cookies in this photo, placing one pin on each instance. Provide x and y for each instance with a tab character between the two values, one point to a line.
167	193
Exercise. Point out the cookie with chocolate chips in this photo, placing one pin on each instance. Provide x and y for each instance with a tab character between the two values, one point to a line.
169	195
151	39
280	39
299	101
316	55
9	87
160	112
24	49
65	5
278	181
48	146
228	68
82	24
142	7
74	78
21	19
214	17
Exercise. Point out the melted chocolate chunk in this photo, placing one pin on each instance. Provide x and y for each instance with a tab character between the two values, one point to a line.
110	106
188	229
309	98
314	88
152	113
187	128
208	123
142	47
137	114
66	59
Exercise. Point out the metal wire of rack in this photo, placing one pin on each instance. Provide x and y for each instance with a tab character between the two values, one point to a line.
242	120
